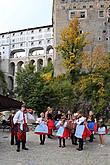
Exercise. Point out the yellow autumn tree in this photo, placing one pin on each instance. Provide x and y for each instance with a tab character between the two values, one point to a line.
71	46
96	61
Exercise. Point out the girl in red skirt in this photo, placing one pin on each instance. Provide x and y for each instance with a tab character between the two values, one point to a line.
62	132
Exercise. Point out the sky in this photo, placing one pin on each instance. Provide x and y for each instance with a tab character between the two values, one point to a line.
21	14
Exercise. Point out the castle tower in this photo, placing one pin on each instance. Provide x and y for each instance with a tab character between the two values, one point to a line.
93	16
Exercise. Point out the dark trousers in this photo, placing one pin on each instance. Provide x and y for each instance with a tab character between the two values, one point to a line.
42	139
60	142
21	137
13	137
73	138
91	137
81	143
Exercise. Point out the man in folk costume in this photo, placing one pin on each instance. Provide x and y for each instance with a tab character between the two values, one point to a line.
20	119
13	128
81	130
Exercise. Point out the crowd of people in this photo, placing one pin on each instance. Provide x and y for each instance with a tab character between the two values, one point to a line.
63	126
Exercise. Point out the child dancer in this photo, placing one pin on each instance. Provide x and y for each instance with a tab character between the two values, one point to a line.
102	130
42	128
62	132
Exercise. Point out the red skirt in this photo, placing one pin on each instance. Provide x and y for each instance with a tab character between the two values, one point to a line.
66	133
51	124
86	133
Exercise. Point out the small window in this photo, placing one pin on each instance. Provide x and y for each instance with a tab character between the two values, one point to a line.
3	52
104	31
21	33
40	42
32	31
32	38
2	36
40	30
72	14
13	46
32	43
48	29
74	7
109	12
101	13
81	31
107	39
13	34
82	14
99	38
0	53
108	20
3	47
13	40
48	41
102	6
91	6
21	44
84	7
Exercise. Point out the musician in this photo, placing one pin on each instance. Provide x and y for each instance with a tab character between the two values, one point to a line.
20	119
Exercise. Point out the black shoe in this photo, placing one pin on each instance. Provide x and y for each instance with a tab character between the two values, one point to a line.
79	149
75	143
50	137
25	148
18	150
63	146
59	145
12	143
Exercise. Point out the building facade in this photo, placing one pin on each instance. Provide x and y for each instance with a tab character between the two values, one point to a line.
93	16
19	47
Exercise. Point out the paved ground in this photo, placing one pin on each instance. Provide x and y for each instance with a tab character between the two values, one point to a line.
51	154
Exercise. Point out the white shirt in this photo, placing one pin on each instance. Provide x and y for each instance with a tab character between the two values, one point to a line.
59	123
80	120
18	118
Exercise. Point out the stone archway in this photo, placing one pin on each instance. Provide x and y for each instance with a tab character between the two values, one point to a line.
49	49
20	65
36	51
39	64
49	60
17	53
10	83
12	68
32	62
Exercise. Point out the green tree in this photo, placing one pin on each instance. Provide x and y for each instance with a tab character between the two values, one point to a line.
3	84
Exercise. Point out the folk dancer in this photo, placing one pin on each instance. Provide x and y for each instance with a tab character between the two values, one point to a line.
102	130
91	124
41	129
50	122
72	128
63	131
82	131
20	119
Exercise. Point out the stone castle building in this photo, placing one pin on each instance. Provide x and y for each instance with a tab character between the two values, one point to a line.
21	46
93	16
36	44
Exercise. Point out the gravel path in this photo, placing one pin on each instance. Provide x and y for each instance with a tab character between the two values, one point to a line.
51	154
